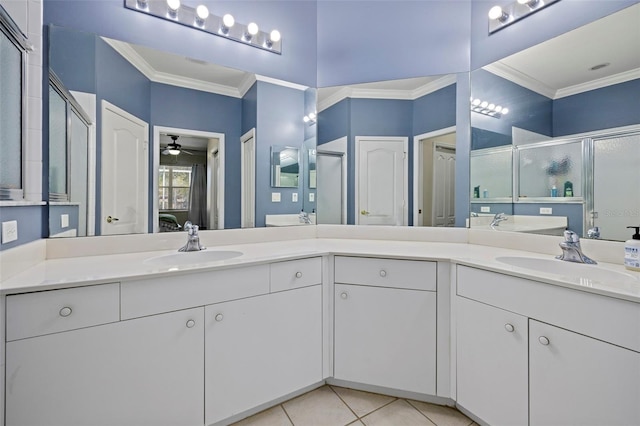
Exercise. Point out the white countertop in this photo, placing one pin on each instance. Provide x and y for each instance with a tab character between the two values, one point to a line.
77	271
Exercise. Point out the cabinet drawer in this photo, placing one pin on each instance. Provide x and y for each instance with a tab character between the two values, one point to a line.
410	274
296	273
166	294
612	320
35	314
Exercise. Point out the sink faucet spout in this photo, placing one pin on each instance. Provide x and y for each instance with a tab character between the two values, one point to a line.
571	250
193	239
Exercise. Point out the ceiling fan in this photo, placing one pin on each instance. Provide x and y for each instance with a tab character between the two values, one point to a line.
174	148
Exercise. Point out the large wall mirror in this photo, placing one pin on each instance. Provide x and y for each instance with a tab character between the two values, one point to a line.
565	154
386	152
159	139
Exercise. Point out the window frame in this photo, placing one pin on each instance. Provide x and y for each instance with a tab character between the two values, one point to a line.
170	187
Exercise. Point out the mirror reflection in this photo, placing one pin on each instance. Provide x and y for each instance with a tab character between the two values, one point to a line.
171	139
570	135
285	167
386	152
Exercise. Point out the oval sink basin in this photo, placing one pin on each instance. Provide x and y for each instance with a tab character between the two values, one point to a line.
578	271
192	257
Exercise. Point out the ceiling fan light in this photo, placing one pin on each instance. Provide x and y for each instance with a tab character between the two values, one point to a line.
174	151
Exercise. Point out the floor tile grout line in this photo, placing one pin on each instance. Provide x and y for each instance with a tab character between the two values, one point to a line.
419	411
287	414
379	408
344	402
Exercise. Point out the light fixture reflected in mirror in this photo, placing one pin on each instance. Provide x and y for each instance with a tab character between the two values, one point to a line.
501	17
487	108
200	18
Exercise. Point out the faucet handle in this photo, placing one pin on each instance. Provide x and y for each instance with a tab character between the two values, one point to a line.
571	237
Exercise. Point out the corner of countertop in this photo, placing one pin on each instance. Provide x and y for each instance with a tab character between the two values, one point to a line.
17	259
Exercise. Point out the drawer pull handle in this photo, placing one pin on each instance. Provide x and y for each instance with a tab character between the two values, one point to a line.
191	323
509	327
66	311
383	273
298	274
543	340
219	317
344	295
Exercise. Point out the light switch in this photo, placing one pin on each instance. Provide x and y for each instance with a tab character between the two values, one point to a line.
294	197
275	197
9	231
485	209
312	197
64	220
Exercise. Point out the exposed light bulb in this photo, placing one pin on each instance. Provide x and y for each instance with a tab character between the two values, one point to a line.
498	108
173	5
491	107
484	104
306	119
496	12
202	11
476	102
228	20
252	28
275	36
312	115
505	111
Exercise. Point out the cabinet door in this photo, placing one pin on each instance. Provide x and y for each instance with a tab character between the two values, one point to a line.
140	372
577	380
386	337
261	348
492	363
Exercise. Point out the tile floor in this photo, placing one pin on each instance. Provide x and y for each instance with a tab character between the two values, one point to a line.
336	406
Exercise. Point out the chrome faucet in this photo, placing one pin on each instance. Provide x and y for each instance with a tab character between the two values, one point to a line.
499	217
593	233
571	251
304	217
193	239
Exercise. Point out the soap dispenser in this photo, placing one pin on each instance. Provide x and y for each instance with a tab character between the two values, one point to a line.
632	251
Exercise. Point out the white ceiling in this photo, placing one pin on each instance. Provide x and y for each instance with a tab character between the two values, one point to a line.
561	66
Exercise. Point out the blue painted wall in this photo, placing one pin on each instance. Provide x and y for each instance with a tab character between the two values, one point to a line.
435	111
333	122
250	109
612	106
29	223
73	58
280	111
55	224
182	108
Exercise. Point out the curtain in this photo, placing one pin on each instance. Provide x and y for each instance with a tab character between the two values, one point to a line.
198	196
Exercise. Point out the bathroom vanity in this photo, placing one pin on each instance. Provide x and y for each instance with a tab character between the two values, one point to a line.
214	341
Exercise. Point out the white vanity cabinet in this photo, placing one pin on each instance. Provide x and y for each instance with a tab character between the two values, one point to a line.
262	348
146	371
385	323
578	363
492	364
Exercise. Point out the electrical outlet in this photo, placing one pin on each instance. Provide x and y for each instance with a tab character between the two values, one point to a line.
485	209
546	210
64	220
9	231
275	197
294	197
312	197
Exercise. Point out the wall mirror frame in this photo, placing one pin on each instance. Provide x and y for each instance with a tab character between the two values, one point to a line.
572	127
166	91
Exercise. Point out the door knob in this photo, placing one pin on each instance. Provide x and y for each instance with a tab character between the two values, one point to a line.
364	212
112	219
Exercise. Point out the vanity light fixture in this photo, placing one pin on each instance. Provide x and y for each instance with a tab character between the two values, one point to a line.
310	118
503	16
487	108
201	19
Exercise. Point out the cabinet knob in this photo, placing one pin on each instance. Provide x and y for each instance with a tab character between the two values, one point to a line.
298	274
191	323
344	295
66	311
543	340
383	273
509	327
219	317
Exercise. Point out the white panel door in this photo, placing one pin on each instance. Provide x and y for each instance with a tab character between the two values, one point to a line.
616	194
125	172
577	380
386	337
330	193
248	180
139	372
381	181
261	348
492	364
444	182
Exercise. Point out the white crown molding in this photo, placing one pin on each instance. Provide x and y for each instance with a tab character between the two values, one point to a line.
143	66
246	84
409	95
281	82
519	78
599	83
